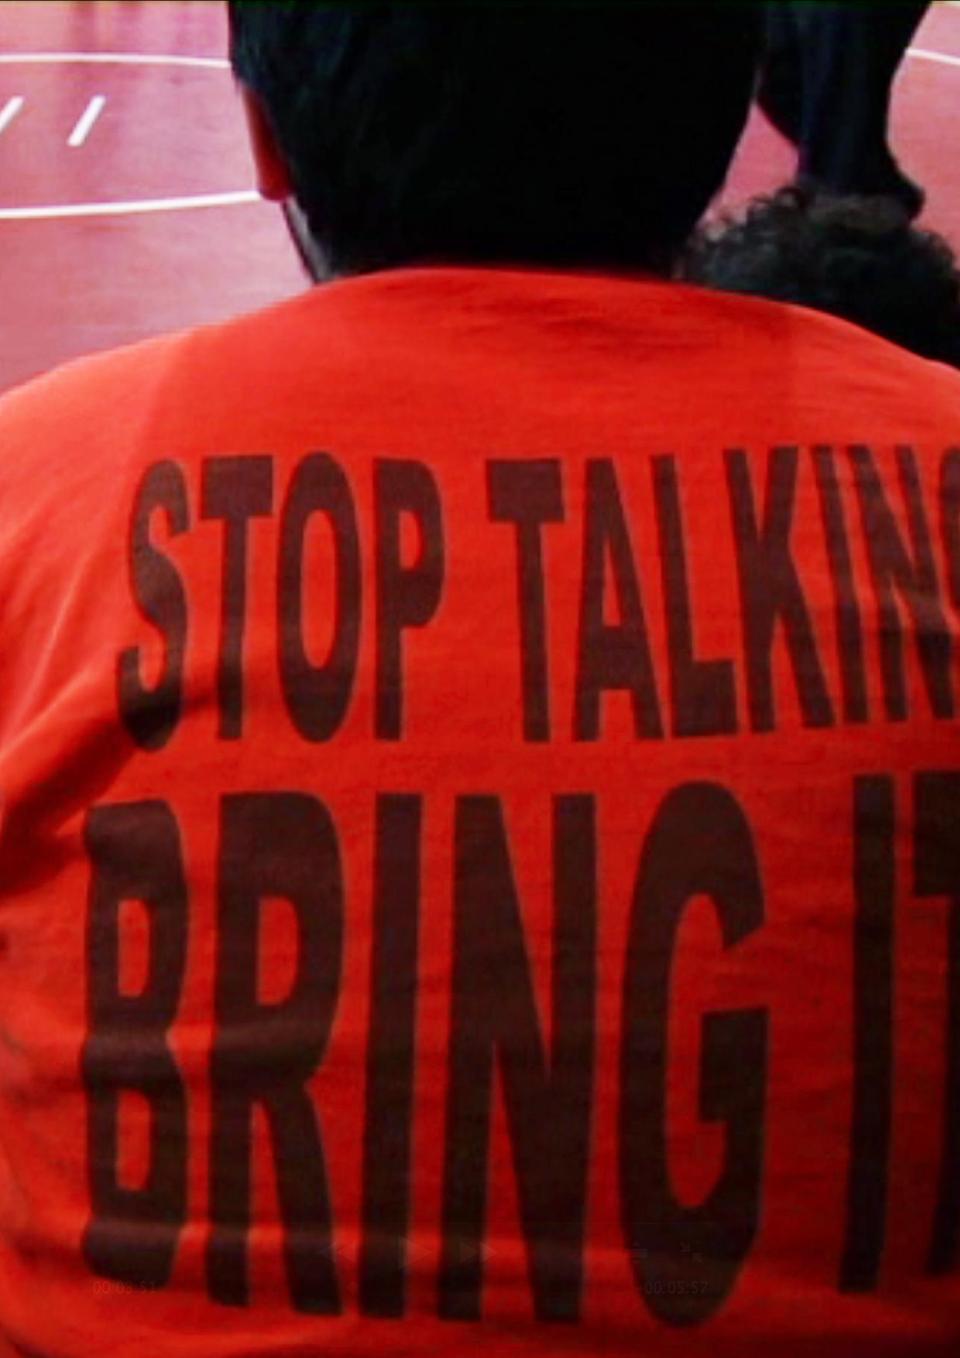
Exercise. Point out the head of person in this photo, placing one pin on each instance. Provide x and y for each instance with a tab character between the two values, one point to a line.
572	135
857	258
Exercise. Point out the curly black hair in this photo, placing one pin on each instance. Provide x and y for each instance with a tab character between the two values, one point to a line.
858	258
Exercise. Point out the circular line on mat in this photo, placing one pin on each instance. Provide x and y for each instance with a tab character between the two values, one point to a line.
48	211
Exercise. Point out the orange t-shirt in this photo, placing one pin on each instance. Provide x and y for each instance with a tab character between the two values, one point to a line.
480	844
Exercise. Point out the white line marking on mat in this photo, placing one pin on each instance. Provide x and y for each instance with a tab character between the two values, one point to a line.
10	110
86	120
47	211
924	55
32	214
113	59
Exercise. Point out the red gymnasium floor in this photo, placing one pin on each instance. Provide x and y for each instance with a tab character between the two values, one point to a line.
125	201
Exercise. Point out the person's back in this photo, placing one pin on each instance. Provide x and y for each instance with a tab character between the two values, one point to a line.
478	814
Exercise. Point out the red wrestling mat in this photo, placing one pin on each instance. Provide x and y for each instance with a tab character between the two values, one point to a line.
125	202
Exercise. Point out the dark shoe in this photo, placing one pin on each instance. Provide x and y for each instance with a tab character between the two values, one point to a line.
908	194
892	183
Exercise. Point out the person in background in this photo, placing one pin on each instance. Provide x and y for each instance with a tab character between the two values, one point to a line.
857	258
825	85
478	753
